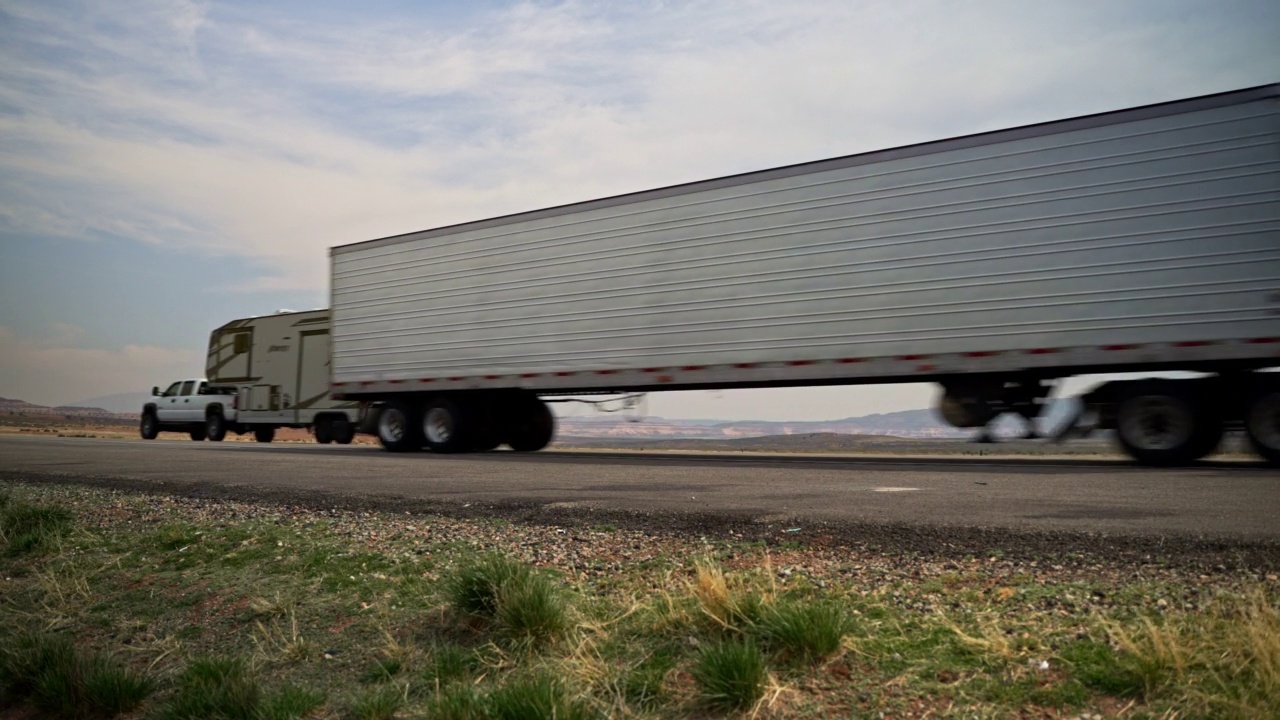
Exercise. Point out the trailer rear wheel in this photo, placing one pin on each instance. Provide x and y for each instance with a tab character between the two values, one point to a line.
446	426
532	426
1262	425
1165	424
264	434
398	427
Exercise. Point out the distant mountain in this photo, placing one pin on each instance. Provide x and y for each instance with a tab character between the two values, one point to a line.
906	423
130	402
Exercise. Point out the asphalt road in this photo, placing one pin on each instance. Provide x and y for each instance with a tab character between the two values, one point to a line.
1228	500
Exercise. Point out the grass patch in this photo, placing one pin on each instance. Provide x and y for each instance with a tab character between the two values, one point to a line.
366	607
803	631
521	605
30	528
48	673
730	675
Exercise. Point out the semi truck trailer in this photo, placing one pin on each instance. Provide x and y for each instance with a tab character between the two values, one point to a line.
995	265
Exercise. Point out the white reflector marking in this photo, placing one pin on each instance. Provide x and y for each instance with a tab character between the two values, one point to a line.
893	489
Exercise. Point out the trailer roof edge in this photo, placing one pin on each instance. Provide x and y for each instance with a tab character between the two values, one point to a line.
990	137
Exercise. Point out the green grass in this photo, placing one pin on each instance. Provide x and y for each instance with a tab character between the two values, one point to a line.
247	612
30	528
803	631
535	698
48	673
377	704
521	605
730	675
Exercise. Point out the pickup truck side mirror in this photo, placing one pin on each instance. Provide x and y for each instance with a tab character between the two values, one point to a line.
155	391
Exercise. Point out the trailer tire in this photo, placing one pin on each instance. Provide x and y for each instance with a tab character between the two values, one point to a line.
1262	425
1166	424
398	427
215	426
532	426
323	431
149	427
343	432
447	426
197	433
264	434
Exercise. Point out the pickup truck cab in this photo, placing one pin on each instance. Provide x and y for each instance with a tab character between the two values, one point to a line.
194	406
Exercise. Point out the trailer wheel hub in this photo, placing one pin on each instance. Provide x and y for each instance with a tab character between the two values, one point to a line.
438	425
1156	422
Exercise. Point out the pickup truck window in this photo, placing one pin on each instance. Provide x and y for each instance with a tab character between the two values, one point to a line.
203	389
186	387
173	390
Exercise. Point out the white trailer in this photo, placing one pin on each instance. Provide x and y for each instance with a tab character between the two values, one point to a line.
279	365
1146	239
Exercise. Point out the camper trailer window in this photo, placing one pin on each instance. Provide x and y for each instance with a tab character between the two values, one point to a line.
186	387
241	343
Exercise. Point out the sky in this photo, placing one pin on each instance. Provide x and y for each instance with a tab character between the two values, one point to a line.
167	166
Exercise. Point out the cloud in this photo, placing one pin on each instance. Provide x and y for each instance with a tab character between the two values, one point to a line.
52	371
227	130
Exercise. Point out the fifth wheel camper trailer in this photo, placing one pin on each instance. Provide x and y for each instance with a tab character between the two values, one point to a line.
279	365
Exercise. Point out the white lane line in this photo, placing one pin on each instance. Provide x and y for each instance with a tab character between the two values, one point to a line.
893	489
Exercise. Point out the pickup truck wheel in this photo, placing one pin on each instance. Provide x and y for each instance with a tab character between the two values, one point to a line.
398	427
197	433
324	431
532	426
1262	425
1161	424
215	427
149	428
446	426
343	432
264	434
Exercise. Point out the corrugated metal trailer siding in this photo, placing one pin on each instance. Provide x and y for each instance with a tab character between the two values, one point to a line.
1161	229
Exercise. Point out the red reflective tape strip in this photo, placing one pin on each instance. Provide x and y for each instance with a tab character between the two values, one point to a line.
457	379
366	383
492	377
926	368
1043	351
744	366
982	353
530	375
606	372
394	382
1113	348
1192	343
847	361
427	380
564	373
339	384
692	368
797	363
1264	341
912	358
652	370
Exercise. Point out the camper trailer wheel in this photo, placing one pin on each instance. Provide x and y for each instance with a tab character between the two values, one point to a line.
215	426
264	434
324	431
343	432
532	426
398	429
445	426
150	427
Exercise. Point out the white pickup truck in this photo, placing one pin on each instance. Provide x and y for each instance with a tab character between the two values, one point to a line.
197	407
